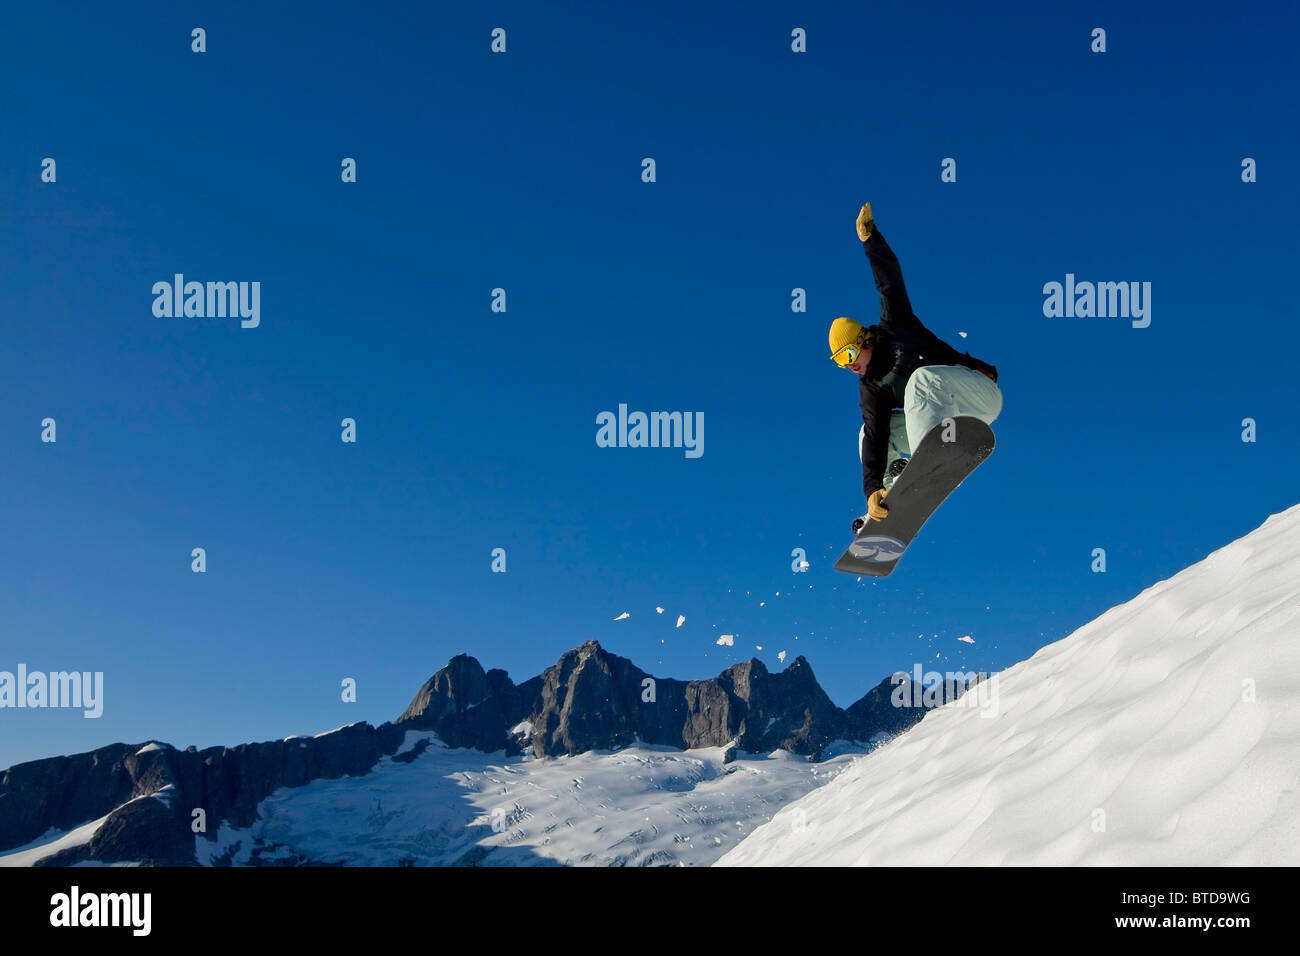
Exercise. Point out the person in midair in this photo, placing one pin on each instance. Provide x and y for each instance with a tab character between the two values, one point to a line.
909	380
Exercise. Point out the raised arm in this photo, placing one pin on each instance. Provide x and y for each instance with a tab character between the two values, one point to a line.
896	308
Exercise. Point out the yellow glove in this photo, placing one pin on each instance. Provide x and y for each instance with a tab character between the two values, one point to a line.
865	223
876	506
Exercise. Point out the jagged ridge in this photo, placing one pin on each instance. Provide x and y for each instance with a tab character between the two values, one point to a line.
592	699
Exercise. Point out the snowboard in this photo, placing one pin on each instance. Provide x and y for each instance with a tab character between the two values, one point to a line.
935	469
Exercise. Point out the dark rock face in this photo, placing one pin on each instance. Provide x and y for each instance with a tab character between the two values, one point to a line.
876	711
581	701
711	718
143	829
591	699
466	707
764	711
226	783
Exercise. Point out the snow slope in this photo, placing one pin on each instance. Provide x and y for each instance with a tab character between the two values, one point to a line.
434	806
1166	733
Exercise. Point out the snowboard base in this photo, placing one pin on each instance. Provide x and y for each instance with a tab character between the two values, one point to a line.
933	472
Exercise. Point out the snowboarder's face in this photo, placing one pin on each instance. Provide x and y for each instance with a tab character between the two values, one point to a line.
859	365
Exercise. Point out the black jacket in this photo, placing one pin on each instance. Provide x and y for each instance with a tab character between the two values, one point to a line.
902	346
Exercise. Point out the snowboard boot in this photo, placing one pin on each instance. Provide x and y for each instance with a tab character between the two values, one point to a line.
893	471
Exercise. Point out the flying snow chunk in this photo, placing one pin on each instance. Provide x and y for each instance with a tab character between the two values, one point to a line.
968	639
681	619
659	610
962	334
762	604
781	657
728	640
622	616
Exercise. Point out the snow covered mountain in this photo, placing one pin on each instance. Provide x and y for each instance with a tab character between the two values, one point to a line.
592	762
427	805
1164	733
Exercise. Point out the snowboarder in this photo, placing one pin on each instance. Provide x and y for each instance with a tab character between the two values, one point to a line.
902	365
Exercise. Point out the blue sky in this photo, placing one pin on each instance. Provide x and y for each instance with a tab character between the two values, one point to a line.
476	429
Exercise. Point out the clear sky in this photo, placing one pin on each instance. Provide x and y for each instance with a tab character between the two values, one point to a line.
476	429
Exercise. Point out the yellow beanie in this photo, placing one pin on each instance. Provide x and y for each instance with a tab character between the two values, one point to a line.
844	331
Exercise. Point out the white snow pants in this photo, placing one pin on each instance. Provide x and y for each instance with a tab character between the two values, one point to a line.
933	393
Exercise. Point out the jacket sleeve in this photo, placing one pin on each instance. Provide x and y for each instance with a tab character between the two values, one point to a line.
877	406
896	308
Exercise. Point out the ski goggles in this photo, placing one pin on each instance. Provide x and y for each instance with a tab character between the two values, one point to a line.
847	355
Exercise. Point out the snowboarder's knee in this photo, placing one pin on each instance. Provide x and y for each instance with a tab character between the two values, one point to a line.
926	374
921	387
